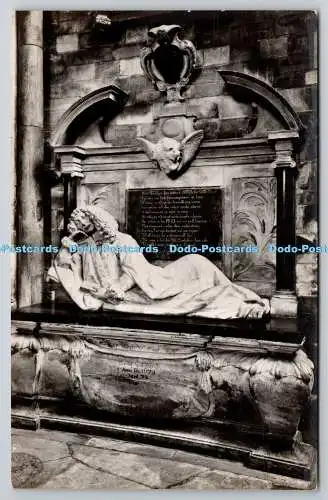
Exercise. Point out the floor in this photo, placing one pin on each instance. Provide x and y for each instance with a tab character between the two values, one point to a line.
47	459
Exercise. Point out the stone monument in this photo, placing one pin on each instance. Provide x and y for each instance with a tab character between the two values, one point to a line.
201	352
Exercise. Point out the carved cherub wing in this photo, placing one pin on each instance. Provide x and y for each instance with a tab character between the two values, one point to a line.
101	196
148	147
189	146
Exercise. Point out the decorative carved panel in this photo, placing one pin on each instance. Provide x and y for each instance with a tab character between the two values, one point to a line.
253	224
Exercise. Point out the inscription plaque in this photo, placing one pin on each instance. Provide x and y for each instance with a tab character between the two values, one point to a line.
134	370
177	216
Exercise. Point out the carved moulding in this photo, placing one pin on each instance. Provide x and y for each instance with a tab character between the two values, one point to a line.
169	61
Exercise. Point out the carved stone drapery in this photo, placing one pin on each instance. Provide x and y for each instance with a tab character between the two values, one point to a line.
206	373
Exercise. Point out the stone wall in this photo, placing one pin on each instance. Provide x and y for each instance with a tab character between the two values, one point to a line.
277	46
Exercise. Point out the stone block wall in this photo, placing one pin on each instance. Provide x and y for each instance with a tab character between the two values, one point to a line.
277	46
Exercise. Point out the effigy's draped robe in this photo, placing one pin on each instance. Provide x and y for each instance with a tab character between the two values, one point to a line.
191	285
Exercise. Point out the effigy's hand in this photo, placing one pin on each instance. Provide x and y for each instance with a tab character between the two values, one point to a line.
98	293
256	311
114	294
109	294
78	237
94	290
67	242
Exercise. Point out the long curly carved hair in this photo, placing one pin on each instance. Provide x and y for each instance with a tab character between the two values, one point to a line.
103	221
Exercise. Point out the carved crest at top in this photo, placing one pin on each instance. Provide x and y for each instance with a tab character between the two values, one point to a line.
169	61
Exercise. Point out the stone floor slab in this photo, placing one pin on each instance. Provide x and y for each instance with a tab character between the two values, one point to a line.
44	448
29	472
47	459
83	477
157	473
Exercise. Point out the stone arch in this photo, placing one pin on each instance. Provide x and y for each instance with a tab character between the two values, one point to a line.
259	90
92	104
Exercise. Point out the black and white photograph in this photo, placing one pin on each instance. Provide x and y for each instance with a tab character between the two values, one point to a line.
164	250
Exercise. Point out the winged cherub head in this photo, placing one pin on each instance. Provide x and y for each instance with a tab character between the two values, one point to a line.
170	155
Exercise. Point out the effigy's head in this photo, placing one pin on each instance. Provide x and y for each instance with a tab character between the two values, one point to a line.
91	219
80	221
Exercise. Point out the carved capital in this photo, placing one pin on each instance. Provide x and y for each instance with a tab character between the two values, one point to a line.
284	160
284	144
284	151
103	21
70	161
